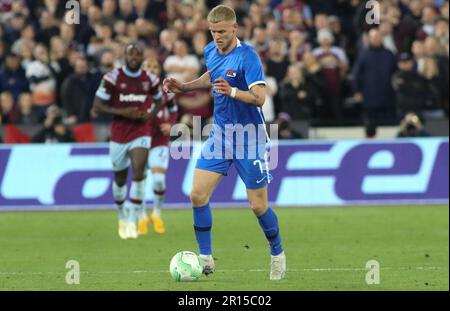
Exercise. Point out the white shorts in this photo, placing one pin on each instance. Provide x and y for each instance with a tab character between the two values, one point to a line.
119	152
159	157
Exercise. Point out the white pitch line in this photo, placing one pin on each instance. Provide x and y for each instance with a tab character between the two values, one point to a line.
227	270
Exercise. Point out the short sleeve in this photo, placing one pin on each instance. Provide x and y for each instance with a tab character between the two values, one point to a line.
253	70
106	87
155	88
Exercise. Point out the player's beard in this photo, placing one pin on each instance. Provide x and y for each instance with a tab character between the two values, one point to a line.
133	66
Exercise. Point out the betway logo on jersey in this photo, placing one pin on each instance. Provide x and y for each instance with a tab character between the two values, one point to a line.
131	98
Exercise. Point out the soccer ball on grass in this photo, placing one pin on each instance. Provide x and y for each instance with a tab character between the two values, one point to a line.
185	266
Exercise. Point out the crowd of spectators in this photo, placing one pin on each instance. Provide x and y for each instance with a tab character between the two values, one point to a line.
325	63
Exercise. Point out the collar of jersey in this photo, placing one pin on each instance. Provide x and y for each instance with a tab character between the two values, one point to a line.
131	74
238	45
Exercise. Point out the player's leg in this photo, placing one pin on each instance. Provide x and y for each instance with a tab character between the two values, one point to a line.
120	163
159	162
256	176
203	186
269	224
138	154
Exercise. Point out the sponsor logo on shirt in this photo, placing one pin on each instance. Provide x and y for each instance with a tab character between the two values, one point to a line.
132	98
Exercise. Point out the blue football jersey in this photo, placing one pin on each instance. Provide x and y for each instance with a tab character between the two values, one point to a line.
242	69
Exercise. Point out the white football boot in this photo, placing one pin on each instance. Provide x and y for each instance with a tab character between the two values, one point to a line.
278	267
208	264
123	229
131	230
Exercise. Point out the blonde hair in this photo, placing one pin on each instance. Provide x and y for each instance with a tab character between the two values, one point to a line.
222	13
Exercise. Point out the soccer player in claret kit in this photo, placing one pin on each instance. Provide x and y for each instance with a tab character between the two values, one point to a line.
236	74
158	160
133	97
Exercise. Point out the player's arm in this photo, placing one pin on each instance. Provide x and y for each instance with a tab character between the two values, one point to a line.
157	94
254	77
255	96
102	103
175	86
156	107
103	107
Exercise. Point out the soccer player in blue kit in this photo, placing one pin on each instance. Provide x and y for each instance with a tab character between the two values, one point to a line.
235	72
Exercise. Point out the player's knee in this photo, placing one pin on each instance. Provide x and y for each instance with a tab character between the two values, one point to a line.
139	174
120	181
159	182
199	198
259	208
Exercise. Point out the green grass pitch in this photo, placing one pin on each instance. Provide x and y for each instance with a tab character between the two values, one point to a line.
326	248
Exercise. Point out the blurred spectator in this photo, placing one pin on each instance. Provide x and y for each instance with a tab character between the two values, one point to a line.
372	79
41	74
54	130
126	11
260	41
428	20
277	62
441	34
430	73
77	93
432	50
386	32
411	126
106	62
26	114
297	46
48	28
14	27
409	85
60	63
181	65
199	41
8	111
334	66
26	38
12	77
109	9
298	96
167	39
418	50
285	130
294	6
316	81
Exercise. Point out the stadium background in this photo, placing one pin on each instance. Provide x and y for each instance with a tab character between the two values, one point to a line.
55	151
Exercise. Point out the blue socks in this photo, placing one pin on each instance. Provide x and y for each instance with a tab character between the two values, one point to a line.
269	223
203	223
202	227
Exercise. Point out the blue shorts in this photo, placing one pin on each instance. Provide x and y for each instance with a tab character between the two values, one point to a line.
253	170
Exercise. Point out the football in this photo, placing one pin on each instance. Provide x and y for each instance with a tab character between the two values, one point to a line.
185	266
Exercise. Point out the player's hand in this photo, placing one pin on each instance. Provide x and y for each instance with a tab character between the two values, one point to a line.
222	86
171	85
165	128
